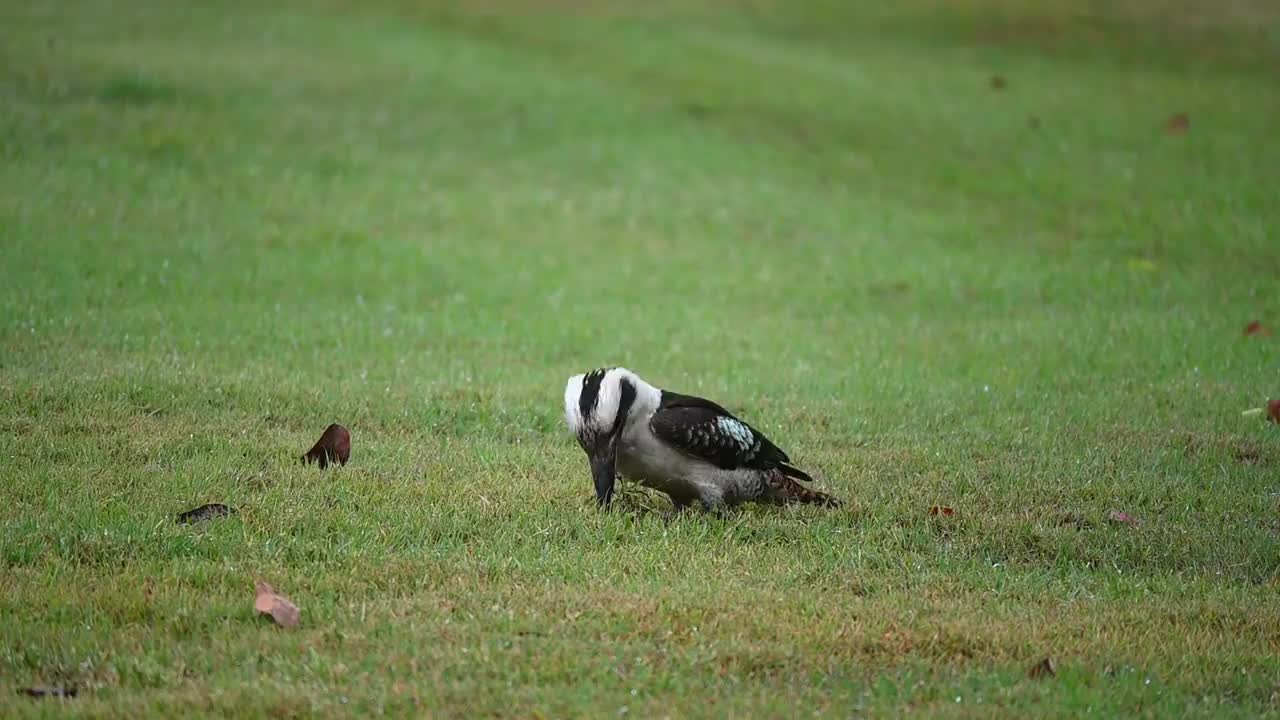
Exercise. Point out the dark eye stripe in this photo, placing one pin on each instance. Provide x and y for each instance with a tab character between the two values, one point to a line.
590	392
624	404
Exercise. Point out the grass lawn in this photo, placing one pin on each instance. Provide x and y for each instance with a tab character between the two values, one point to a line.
944	253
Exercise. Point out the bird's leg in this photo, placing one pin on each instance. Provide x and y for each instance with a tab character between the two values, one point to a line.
680	502
712	499
717	510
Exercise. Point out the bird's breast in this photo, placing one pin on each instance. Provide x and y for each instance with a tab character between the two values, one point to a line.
641	455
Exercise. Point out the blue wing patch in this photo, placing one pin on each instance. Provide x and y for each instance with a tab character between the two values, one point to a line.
736	431
705	430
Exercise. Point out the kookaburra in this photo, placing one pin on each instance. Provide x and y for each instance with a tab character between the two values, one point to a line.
687	447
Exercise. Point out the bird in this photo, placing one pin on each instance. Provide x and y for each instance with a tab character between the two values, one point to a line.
687	447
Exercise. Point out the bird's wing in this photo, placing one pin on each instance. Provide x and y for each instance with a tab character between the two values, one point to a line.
704	430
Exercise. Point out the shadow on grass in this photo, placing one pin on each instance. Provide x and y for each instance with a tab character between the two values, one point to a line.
132	90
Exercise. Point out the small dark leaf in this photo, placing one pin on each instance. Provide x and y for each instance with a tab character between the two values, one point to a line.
998	82
48	692
697	109
1078	522
1178	124
205	512
1042	670
333	445
944	511
1257	328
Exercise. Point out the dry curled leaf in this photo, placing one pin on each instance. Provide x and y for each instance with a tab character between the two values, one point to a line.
942	510
205	512
1257	328
48	692
1122	518
279	607
998	82
1178	124
333	446
1042	670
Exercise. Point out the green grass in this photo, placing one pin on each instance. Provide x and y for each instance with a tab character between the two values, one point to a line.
224	225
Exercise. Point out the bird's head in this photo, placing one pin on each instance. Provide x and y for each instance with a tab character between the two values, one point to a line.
597	405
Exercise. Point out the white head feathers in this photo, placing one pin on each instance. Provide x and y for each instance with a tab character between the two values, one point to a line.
594	400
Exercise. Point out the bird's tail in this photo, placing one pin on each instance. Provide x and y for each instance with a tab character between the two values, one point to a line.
783	489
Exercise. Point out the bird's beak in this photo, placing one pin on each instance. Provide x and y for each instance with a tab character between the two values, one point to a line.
603	460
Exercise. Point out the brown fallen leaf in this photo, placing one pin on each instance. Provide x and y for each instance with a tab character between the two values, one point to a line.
279	607
1122	518
1257	328
1178	124
1042	670
333	445
998	82
48	692
941	510
205	512
1273	411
